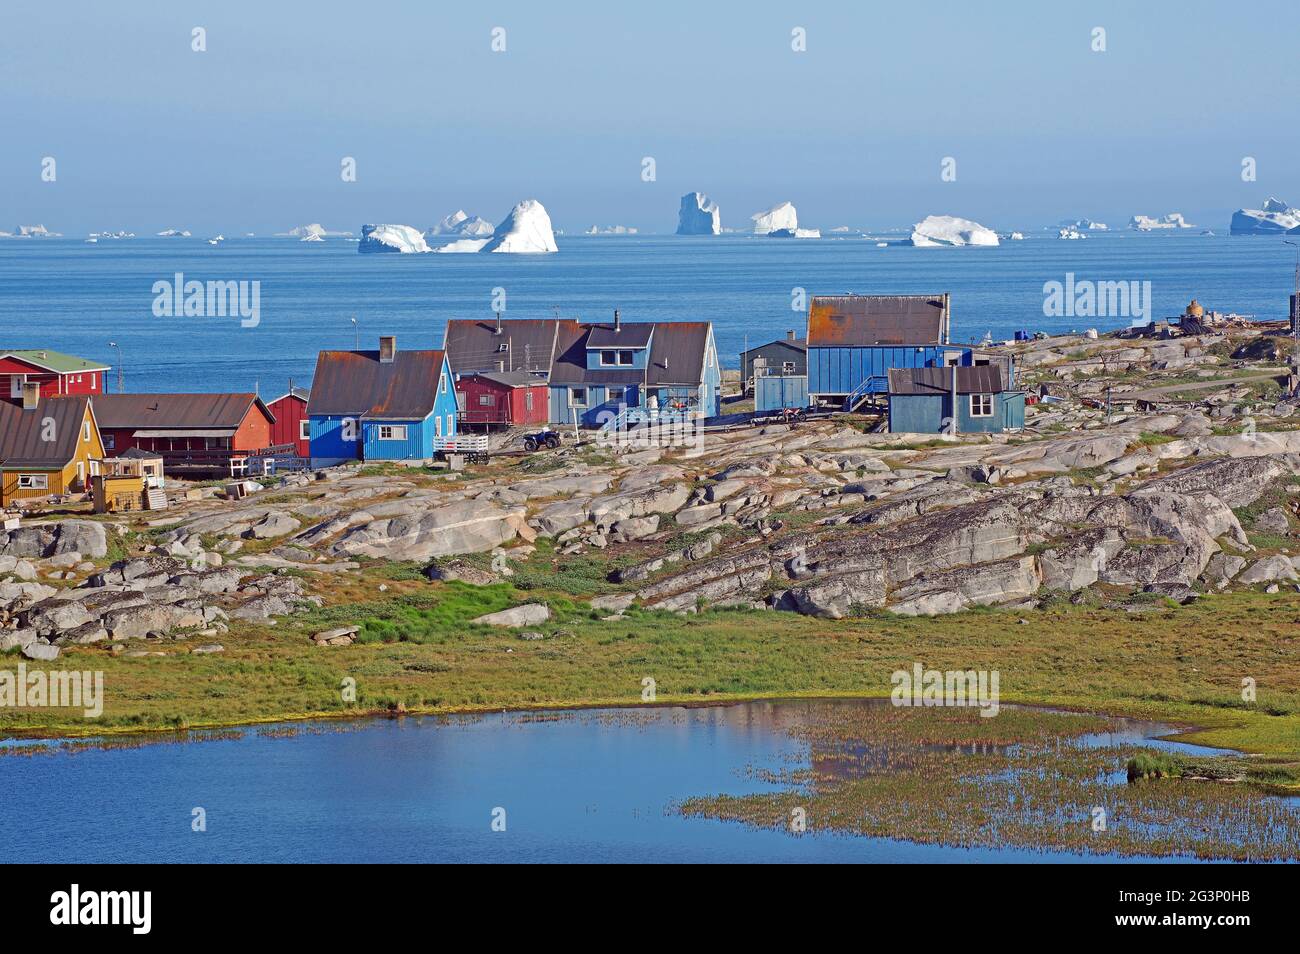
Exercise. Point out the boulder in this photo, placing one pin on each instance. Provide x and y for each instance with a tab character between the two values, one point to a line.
41	651
1268	570
274	524
1273	520
341	636
466	526
528	614
459	570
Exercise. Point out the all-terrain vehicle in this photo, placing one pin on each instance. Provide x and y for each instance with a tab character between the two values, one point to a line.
547	439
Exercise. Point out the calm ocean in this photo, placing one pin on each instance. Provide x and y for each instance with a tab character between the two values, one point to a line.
75	297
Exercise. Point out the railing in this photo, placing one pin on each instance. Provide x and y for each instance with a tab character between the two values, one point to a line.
460	443
633	416
876	384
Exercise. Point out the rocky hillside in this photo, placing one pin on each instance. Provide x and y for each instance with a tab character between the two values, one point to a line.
1196	492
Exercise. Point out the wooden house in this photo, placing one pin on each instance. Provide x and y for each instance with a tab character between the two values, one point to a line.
380	405
502	398
292	425
953	400
57	374
48	446
197	435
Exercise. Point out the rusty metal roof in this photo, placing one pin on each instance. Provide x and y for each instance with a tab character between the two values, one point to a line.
976	379
23	434
630	334
856	321
530	343
188	411
510	379
357	383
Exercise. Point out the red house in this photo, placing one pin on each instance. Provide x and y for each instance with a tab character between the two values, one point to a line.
502	398
197	435
292	426
57	374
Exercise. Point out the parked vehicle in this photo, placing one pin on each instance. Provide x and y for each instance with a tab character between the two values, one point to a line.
547	439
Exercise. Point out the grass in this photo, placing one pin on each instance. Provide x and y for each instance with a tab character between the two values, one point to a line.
418	648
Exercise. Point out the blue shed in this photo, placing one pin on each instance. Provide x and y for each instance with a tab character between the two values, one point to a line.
855	340
776	391
380	405
953	400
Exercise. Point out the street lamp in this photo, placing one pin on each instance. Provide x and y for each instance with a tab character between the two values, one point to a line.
357	328
114	344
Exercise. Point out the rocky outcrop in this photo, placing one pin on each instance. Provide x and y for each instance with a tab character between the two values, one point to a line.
467	526
50	539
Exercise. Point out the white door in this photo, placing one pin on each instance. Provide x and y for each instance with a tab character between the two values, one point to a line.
16	385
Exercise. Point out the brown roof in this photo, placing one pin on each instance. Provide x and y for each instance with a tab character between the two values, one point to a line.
358	383
474	345
172	411
676	355
510	379
23	434
971	379
870	320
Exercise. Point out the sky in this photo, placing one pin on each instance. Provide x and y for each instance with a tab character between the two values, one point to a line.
250	134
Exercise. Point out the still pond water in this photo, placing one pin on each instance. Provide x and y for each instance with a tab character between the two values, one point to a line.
593	786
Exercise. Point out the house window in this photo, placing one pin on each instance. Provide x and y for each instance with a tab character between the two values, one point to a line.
16	385
487	400
33	482
110	441
981	405
304	429
451	425
787	367
392	432
577	397
625	357
442	383
609	357
528	400
94	382
437	426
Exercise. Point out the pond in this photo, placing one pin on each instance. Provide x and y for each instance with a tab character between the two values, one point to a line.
596	785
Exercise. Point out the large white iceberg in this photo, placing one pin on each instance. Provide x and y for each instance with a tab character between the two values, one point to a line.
699	215
391	238
461	223
778	217
795	233
526	230
1147	223
1275	217
35	231
1087	225
936	230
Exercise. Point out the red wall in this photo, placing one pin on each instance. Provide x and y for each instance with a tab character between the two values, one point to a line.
511	403
52	385
254	433
289	411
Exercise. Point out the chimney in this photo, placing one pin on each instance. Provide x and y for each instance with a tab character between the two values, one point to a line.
387	349
498	328
31	395
789	334
617	324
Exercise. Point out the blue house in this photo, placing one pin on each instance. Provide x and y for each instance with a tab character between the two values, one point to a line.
855	340
953	400
380	405
663	368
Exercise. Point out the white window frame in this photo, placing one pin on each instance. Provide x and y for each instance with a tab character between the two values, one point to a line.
85	431
33	481
612	353
442	383
110	441
528	400
16	382
451	425
787	368
304	429
978	401
631	358
437	426
487	399
392	432
585	397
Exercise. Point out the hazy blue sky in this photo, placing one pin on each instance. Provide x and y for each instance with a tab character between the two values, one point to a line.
249	135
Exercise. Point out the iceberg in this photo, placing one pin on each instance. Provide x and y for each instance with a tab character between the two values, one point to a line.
462	246
525	231
459	223
612	230
1275	217
795	233
1146	223
1070	232
310	233
1087	225
1017	236
937	230
174	233
391	238
34	231
698	215
313	237
778	217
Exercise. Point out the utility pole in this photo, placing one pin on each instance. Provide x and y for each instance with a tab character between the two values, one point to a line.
114	344
357	328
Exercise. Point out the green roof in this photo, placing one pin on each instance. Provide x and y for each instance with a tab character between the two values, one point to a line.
54	360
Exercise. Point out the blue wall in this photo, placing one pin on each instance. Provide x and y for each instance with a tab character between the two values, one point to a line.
640	358
925	413
773	392
841	370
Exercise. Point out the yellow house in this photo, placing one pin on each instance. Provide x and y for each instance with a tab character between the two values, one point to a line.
47	446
